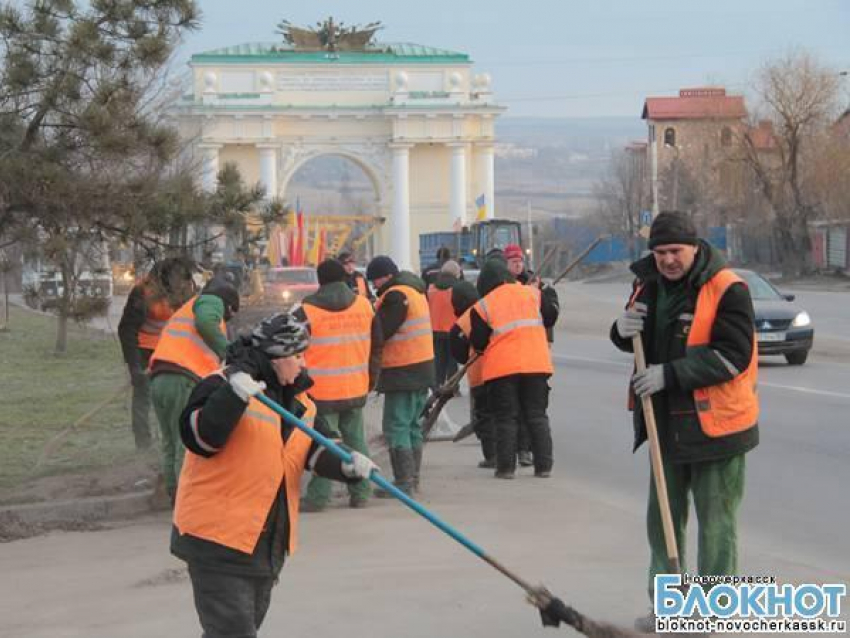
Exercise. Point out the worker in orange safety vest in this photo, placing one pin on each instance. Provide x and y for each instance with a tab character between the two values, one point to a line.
443	318
236	517
344	361
407	365
149	306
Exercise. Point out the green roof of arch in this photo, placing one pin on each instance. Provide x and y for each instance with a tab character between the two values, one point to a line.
380	53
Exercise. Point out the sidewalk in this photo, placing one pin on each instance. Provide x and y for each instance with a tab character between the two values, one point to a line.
586	546
352	563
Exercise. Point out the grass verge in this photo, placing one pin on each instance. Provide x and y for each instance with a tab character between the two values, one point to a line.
42	393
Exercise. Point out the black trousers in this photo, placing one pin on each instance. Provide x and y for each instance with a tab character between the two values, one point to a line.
483	424
520	397
523	438
229	605
444	362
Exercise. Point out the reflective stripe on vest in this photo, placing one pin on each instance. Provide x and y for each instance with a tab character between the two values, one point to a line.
518	343
413	342
441	309
227	497
338	356
182	345
733	406
473	373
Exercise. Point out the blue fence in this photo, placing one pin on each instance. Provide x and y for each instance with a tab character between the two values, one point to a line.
576	236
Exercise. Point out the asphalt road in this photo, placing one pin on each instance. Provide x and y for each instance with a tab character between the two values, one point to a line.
796	495
384	572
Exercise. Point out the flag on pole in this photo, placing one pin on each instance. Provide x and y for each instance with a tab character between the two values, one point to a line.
273	249
300	247
291	232
322	245
481	205
313	254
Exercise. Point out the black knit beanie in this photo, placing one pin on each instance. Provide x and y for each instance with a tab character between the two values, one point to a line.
380	266
330	271
672	227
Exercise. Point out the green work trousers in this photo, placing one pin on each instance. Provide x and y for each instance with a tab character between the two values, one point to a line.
347	425
169	395
401	426
717	487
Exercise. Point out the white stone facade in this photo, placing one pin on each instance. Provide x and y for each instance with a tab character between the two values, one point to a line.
416	120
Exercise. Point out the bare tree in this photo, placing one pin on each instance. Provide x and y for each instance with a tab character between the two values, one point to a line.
800	97
829	171
623	193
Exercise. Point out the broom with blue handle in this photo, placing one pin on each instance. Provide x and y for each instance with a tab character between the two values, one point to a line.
538	596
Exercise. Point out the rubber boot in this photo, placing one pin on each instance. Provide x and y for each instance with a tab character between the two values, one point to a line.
417	464
402	463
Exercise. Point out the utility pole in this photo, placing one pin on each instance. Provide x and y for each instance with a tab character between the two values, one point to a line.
530	233
653	159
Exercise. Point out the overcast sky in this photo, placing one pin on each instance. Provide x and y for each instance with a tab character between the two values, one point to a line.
570	58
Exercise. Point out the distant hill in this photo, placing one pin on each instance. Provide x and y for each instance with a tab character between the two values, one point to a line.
569	156
580	134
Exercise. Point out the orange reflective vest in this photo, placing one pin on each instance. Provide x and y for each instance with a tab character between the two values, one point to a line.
733	406
413	342
474	372
180	344
338	356
157	314
441	309
726	408
518	343
227	497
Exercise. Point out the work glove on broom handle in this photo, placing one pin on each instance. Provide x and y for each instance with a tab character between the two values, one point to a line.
244	385
361	466
630	323
649	381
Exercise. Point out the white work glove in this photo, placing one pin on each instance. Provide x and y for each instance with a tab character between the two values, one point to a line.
630	323
361	467
244	386
649	381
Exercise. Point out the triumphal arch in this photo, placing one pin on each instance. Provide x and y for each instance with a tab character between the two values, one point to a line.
416	119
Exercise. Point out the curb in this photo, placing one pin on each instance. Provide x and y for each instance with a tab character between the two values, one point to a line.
32	519
22	521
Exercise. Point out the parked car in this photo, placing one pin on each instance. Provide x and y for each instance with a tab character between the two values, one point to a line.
782	327
285	287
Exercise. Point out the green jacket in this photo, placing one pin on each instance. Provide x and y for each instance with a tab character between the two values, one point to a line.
209	313
392	313
671	307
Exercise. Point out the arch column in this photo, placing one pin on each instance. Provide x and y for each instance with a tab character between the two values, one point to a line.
457	199
400	232
209	166
268	169
487	177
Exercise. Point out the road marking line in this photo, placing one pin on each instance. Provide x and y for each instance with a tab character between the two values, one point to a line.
798	388
570	357
763	384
